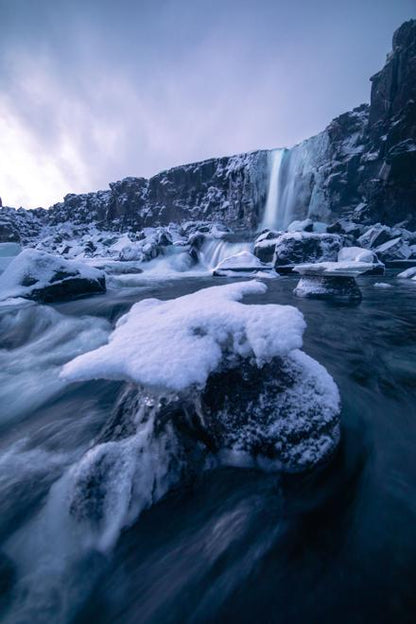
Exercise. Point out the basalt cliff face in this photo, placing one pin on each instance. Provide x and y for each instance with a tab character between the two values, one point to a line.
361	167
230	189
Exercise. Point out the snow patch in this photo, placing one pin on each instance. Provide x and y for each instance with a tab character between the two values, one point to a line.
176	344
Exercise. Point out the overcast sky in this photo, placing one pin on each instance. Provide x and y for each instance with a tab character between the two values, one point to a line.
95	90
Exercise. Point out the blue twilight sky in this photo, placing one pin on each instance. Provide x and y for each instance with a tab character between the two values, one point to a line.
94	90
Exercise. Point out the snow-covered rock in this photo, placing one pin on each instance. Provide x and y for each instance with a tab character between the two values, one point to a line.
395	249
306	225
40	276
345	267
356	254
337	287
331	280
345	227
374	236
300	247
242	263
265	244
235	378
408	274
359	254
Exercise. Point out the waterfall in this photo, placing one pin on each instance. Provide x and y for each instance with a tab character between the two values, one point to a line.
283	188
272	217
215	250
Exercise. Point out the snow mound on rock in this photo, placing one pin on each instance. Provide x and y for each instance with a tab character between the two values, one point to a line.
38	275
356	254
346	267
408	274
176	344
241	260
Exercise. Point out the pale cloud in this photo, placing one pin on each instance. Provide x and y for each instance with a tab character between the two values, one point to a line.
93	91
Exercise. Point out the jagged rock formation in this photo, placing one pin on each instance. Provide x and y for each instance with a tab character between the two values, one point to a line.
231	190
361	167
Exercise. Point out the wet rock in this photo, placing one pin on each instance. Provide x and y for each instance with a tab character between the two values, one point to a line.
265	244
345	227
7	579
336	287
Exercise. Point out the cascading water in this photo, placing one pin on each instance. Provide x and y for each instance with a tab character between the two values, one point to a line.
271	216
278	212
213	251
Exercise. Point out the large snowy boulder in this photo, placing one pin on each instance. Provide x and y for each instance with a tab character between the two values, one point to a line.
211	381
217	337
393	250
331	280
305	225
265	244
40	276
408	274
359	254
375	235
240	264
298	247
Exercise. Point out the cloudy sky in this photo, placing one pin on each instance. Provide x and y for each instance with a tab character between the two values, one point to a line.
94	90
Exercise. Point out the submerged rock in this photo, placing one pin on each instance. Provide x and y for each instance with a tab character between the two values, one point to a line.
40	276
337	287
331	280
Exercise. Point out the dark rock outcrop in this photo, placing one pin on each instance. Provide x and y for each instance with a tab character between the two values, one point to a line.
230	190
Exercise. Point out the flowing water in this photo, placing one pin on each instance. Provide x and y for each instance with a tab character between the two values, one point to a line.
336	545
274	217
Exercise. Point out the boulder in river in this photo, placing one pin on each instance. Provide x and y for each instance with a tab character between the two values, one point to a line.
40	276
235	390
299	247
331	280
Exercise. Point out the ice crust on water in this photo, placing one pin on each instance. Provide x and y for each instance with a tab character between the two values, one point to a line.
177	344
